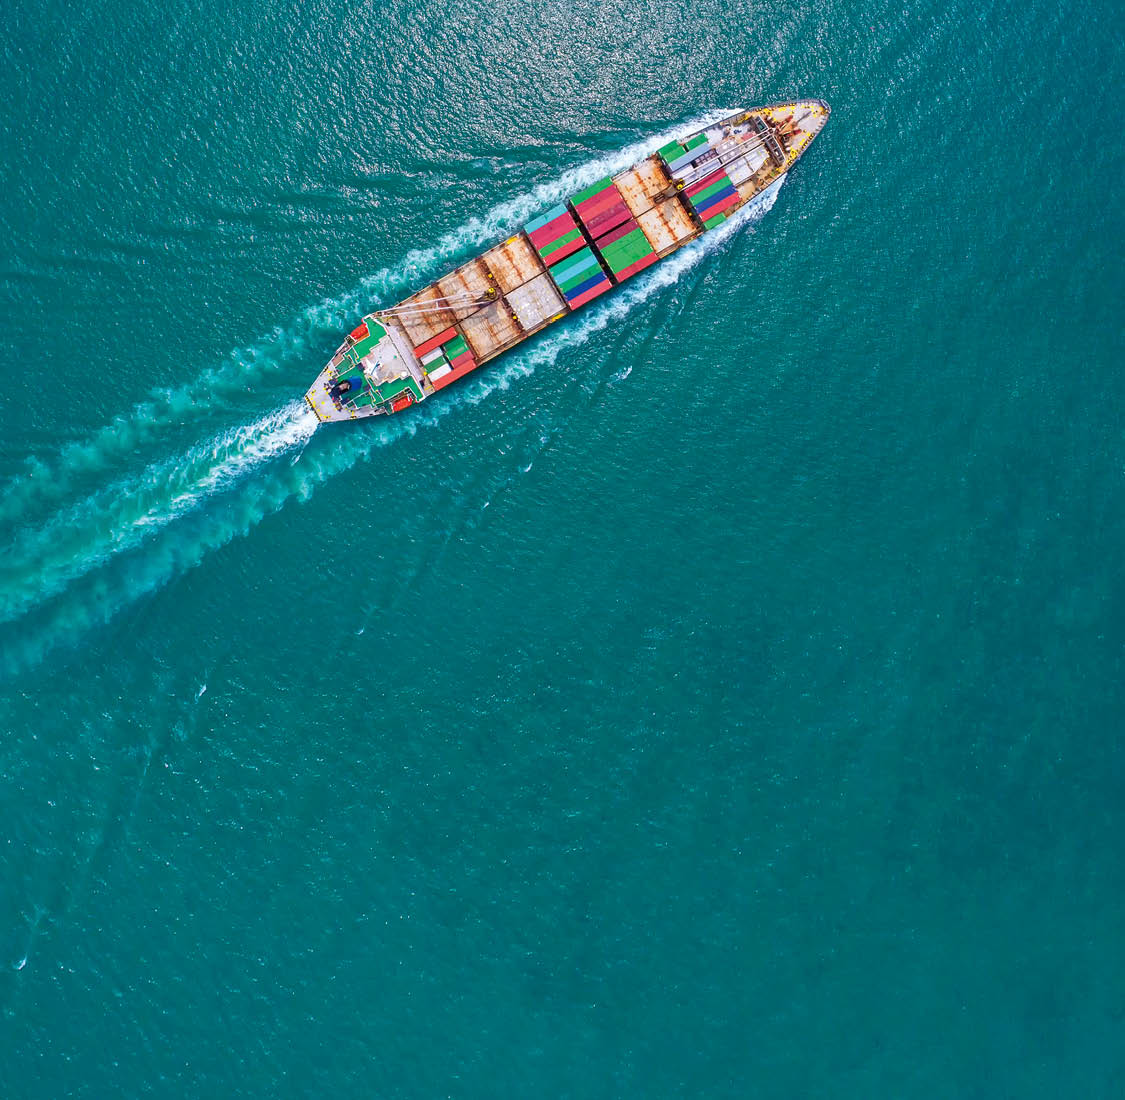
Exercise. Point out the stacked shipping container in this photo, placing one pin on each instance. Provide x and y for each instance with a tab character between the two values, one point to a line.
626	250
573	267
445	357
600	207
618	238
555	235
580	278
679	157
710	196
600	214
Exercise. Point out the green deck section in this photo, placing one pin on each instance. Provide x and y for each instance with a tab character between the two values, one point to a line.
362	348
349	368
362	400
388	391
365	345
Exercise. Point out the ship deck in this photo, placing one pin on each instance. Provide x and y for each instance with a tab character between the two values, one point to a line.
602	236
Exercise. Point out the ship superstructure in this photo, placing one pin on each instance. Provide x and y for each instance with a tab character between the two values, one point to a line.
605	234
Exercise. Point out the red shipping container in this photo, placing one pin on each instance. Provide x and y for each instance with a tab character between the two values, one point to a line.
596	206
610	219
608	194
567	250
632	269
462	359
706	182
435	342
585	296
453	375
719	207
617	234
552	231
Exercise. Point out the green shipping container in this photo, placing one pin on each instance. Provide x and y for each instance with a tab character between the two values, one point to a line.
549	250
626	251
580	261
625	257
710	223
672	150
628	261
700	199
455	347
636	236
591	191
569	284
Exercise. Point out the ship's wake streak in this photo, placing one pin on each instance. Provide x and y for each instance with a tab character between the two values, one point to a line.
116	519
99	553
84	465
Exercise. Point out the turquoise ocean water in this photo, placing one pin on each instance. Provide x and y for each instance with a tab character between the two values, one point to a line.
721	696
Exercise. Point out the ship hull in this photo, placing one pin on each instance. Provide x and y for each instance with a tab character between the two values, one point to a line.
403	354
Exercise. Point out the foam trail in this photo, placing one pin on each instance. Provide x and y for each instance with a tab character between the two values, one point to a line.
119	518
44	482
254	498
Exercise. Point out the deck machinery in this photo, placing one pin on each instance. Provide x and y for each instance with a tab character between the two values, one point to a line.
403	354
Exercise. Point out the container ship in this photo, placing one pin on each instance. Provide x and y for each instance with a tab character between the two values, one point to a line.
402	354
